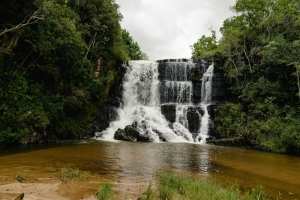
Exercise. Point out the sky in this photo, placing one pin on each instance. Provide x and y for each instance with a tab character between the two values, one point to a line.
165	29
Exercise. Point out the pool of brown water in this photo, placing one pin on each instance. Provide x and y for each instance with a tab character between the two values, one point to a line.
135	163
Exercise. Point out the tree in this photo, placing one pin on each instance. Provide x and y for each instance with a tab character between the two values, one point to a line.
284	52
204	45
132	47
49	53
254	51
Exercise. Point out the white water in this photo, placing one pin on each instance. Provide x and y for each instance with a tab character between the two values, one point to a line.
205	101
142	102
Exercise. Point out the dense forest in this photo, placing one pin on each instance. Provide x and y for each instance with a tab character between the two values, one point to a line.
58	61
259	53
60	58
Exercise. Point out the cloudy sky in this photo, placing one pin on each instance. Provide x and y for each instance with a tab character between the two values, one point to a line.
167	28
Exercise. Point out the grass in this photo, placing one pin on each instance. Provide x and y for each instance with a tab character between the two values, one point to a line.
21	176
105	192
51	169
69	173
171	187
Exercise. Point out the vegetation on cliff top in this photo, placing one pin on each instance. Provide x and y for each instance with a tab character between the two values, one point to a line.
259	53
58	60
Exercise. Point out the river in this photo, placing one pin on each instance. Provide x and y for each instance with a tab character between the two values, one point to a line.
134	161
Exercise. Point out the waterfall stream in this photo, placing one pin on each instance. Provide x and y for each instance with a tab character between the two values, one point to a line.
144	94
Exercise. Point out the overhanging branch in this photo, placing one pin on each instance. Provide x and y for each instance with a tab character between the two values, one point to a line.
34	18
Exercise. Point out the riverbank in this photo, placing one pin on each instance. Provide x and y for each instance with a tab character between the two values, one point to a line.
50	187
44	185
164	186
130	166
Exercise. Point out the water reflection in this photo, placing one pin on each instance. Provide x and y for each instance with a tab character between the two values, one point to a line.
138	159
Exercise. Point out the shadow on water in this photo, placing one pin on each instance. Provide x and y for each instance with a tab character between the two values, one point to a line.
139	161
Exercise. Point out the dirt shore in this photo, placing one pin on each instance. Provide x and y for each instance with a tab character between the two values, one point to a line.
52	188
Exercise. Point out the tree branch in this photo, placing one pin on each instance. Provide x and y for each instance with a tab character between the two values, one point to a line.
34	18
246	54
91	44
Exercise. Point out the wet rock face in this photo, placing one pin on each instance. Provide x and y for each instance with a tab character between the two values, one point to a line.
213	111
193	73
169	111
197	92
194	119
129	134
218	90
107	112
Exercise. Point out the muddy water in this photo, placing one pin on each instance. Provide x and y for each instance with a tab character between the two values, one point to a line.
136	163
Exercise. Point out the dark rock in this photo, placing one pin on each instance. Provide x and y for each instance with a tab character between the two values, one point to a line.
236	141
213	111
218	90
105	115
129	134
210	140
194	120
131	131
197	86
144	138
196	74
169	111
162	71
120	134
114	101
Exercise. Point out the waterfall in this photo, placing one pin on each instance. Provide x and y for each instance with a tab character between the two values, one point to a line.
144	95
206	100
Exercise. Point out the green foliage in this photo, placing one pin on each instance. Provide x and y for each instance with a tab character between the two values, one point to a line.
260	51
132	47
105	192
69	173
179	187
48	57
205	47
21	176
231	120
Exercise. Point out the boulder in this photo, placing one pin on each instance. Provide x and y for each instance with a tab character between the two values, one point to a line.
210	140
129	134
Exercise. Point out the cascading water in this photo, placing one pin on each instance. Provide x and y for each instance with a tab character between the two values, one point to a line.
144	94
206	100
